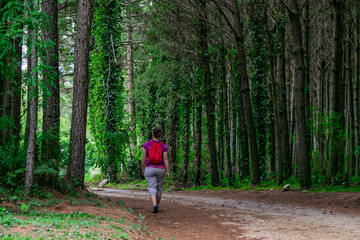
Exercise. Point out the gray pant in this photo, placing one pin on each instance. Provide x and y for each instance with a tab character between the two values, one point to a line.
155	178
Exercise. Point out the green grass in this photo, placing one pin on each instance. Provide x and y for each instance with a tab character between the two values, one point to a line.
77	225
33	219
138	185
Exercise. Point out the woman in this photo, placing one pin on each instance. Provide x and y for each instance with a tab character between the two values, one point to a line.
155	167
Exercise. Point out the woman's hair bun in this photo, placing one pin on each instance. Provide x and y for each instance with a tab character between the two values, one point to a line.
158	132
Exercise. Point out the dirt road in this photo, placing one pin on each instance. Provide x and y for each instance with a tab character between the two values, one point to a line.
233	214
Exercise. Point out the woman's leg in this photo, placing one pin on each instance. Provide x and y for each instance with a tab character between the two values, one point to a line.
151	180
160	180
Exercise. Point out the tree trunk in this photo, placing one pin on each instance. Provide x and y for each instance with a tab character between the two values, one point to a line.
172	134
244	167
32	112
76	169
130	73
205	64
227	146
5	106
259	91
302	144
220	129
335	94
16	93
187	139
284	137
233	109
245	89
321	93
51	111
357	91
227	134
221	111
274	146
307	59
349	105
198	137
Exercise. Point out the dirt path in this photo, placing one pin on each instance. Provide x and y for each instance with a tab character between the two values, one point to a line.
236	214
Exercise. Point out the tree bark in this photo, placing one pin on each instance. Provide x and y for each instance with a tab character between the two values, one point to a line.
227	134
16	93
76	169
220	129
357	91
226	105
284	137
274	144
32	111
187	139
205	64
245	95
302	144
350	126
244	167
198	138
172	134
51	112
335	94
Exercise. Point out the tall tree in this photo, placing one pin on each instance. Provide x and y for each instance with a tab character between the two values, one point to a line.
76	168
284	137
357	89
51	110
33	104
130	74
198	132
302	143
187	139
336	93
205	64
259	91
245	93
16	95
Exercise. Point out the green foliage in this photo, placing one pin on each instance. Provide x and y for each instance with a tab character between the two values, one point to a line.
17	19
11	12
259	88
106	89
324	125
24	208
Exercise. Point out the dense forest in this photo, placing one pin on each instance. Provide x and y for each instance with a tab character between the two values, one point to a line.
246	90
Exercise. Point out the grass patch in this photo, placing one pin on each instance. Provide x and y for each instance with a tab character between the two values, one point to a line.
85	217
137	185
76	225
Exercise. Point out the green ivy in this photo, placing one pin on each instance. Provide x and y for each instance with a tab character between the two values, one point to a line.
106	97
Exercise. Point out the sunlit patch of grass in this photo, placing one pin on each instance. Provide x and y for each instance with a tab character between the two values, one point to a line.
138	185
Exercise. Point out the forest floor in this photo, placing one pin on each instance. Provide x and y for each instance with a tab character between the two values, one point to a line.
238	214
65	217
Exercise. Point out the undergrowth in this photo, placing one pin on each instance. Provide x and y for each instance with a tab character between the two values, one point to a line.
245	184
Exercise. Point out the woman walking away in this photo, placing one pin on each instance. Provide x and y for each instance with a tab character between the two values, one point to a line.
155	164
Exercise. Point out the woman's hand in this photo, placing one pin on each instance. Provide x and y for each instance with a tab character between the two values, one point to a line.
167	175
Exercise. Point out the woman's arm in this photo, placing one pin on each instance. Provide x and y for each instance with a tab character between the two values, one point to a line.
166	161
143	161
